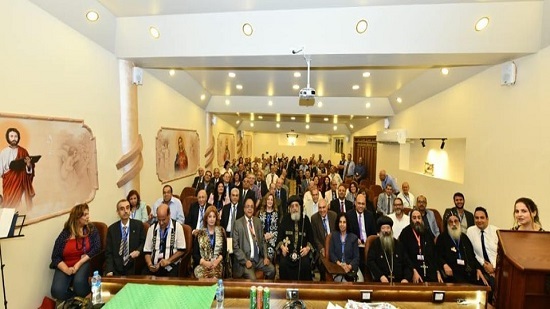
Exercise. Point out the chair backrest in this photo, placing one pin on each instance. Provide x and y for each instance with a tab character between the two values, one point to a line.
327	245
375	202
376	189
185	264
97	262
187	204
368	243
148	210
407	210
438	219
187	191
102	230
364	183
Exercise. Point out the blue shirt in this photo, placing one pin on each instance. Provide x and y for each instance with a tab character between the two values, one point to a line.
176	209
389	181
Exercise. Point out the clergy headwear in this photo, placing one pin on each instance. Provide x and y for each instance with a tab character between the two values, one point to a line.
384	220
448	216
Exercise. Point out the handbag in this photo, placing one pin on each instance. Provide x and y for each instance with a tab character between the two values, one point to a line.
77	303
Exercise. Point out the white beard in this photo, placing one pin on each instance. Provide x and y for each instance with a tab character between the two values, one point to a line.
295	216
455	234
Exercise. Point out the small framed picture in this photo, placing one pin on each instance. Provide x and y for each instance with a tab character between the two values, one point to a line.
428	168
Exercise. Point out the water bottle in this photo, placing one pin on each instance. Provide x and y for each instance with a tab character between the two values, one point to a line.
96	288
220	295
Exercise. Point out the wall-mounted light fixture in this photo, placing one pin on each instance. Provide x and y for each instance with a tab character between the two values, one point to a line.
424	139
291	137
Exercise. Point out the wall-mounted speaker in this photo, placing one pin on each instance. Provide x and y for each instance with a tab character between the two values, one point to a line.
137	76
509	72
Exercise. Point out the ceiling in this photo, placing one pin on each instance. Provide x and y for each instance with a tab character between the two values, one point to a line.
405	46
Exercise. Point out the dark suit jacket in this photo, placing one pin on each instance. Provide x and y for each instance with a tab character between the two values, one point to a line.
242	246
249	194
335	205
113	260
208	186
284	200
263	187
351	249
193	216
353	222
196	181
319	233
225	215
469	216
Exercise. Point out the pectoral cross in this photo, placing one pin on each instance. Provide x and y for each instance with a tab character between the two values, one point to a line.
286	241
424	266
391	277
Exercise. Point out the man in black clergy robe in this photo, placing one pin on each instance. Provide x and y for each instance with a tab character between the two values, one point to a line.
295	243
420	249
387	259
455	253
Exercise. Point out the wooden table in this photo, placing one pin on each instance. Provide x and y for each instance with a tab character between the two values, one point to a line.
279	303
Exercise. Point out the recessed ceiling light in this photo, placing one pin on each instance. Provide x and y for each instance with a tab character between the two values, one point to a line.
278	117
252	124
260	117
482	23
227	102
238	121
251	116
320	104
307	126
155	33
367	105
334	128
172	72
231	74
444	71
295	87
325	119
297	74
335	119
351	126
270	103
307	118
203	97
92	16
239	87
292	118
361	26
399	100
355	87
247	29
367	117
366	74
278	125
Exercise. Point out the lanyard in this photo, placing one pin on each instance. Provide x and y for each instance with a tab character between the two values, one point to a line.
418	242
457	247
343	245
212	238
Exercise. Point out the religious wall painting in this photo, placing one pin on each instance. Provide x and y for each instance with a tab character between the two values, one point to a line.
247	146
225	149
61	169
428	168
177	153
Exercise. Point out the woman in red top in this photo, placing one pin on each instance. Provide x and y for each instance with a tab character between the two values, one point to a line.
77	242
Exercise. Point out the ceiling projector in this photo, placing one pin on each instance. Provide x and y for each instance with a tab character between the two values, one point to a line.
307	97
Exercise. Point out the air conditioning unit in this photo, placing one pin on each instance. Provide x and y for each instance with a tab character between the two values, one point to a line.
318	139
392	136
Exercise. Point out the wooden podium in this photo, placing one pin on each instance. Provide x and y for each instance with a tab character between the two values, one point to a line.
523	270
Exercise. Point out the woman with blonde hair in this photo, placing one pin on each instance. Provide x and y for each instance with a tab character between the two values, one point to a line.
73	248
209	246
269	216
526	215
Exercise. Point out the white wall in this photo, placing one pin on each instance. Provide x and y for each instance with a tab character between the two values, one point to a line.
507	136
48	69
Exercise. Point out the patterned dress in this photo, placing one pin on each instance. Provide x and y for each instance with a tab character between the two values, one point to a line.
209	248
270	225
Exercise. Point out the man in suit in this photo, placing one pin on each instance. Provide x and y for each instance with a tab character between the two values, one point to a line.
281	194
196	212
247	192
249	247
385	200
306	181
231	212
198	178
125	239
332	194
216	177
341	204
323	222
465	217
206	183
261	183
360	220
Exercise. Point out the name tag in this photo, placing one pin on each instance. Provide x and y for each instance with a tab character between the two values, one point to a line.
160	256
420	257
460	262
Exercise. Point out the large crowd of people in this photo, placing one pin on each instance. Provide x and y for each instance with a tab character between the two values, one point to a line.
283	212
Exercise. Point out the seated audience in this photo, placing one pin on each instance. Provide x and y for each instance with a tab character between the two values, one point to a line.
325	187
352	192
77	242
406	196
295	243
176	209
281	193
341	204
199	178
249	247
164	245
218	197
456	255
427	216
526	215
322	222
466	218
387	260
334	176
196	212
399	218
311	205
209	246
332	193
206	183
361	221
420	249
138	208
125	240
237	181
269	217
385	200
484	240
344	251
231	212
386	179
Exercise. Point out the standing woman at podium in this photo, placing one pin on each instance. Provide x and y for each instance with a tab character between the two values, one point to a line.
526	215
77	242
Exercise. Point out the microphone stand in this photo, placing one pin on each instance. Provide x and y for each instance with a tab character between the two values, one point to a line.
301	244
